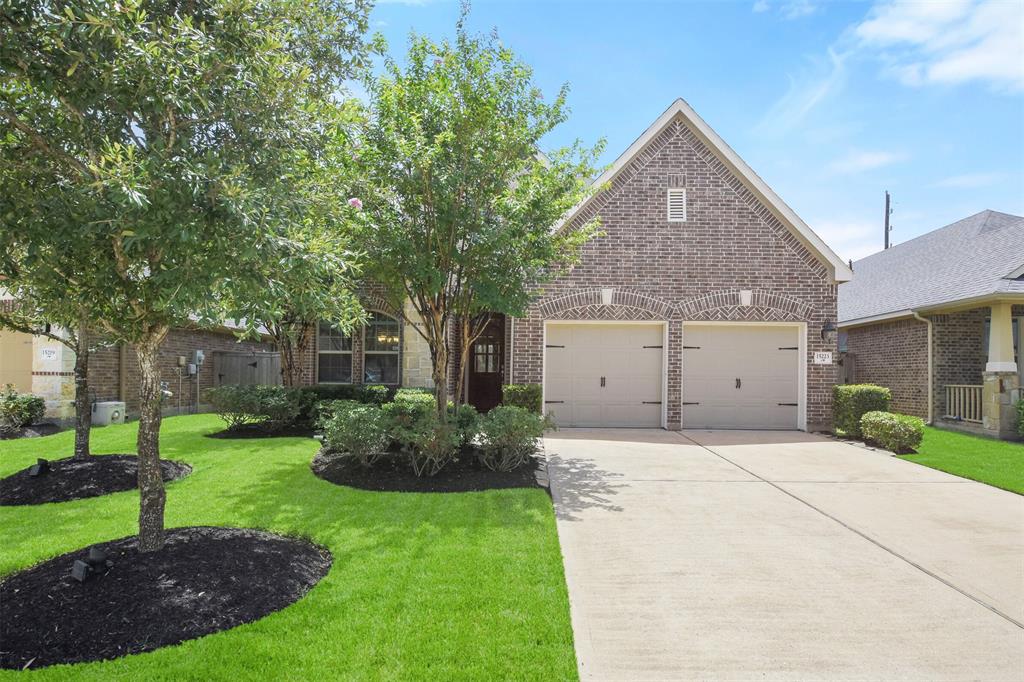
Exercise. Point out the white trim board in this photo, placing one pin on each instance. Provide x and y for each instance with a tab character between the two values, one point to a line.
840	271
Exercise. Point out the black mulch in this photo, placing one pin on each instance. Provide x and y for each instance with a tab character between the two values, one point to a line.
73	479
204	580
392	473
258	431
34	431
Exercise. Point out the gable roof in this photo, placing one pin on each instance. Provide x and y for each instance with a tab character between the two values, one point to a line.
837	267
979	256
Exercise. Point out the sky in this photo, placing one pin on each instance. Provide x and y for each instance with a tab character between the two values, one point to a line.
831	103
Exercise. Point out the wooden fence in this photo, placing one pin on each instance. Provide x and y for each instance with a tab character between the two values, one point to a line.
240	368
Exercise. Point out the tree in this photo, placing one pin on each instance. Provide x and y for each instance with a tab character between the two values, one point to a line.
461	204
147	135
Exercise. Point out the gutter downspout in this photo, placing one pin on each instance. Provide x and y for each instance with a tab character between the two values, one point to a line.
931	395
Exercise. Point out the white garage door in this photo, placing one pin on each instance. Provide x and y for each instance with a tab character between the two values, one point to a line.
604	374
740	377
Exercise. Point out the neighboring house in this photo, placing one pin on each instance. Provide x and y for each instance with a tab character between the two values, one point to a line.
707	303
40	365
938	320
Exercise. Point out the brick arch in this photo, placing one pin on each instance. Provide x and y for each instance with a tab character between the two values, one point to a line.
725	305
376	303
588	304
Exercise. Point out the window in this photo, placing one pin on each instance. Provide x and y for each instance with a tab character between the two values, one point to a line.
334	356
677	205
382	342
486	357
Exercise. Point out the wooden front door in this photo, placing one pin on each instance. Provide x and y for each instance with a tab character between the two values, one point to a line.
487	366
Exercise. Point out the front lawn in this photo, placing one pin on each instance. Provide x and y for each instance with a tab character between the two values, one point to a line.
423	586
998	463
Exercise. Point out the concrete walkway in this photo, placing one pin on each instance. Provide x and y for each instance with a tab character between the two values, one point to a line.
782	556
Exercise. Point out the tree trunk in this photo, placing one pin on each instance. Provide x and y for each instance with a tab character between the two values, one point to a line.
292	341
83	408
151	484
439	360
465	330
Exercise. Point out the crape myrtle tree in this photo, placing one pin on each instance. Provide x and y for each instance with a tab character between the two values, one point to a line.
150	134
309	272
461	206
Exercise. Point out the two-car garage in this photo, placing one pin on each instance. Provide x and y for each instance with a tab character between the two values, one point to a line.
733	375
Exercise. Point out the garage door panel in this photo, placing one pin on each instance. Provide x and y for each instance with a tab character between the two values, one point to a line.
760	357
632	390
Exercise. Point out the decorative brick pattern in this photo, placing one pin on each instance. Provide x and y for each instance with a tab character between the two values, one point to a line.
686	271
894	355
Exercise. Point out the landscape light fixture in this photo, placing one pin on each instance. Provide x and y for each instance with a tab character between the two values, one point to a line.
39	468
96	563
828	329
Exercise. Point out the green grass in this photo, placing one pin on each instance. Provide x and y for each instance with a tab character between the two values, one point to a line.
465	586
998	463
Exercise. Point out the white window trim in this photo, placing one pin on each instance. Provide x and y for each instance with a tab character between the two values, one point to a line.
668	204
396	353
350	353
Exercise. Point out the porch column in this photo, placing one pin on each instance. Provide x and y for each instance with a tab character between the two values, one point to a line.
1001	380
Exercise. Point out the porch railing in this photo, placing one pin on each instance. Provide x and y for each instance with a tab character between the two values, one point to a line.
964	402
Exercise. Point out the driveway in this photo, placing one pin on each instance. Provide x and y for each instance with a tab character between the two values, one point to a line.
788	556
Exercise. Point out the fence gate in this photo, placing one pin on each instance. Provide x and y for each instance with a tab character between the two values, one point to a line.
241	368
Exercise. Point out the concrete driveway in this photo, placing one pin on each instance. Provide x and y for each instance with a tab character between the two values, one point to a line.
766	555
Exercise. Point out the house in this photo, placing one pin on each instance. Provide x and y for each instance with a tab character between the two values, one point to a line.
43	366
707	303
938	320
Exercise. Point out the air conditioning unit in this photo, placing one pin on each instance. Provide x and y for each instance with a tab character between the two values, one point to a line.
109	412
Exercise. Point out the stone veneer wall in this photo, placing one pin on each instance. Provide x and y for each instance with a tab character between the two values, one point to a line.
691	270
894	355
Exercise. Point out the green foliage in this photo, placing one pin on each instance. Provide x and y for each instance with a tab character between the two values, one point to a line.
327	409
899	433
466	421
433	446
315	397
273	408
460	203
1020	417
509	436
412	413
357	430
526	396
851	401
18	410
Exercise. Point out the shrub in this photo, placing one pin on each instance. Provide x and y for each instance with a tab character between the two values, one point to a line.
326	409
410	413
526	396
271	407
509	436
466	420
851	401
1020	417
899	433
357	430
434	445
18	410
312	396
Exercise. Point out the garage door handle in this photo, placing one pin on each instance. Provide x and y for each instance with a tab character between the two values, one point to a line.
549	402
788	404
602	382
651	402
739	383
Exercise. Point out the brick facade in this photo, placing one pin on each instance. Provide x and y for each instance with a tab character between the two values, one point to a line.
894	355
693	270
114	374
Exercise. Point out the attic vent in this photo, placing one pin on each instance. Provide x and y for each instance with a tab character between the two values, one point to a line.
677	205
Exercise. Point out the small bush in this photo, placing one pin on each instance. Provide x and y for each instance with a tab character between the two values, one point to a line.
466	420
526	396
509	436
433	447
899	433
18	410
1020	417
851	401
326	409
312	396
357	430
271	407
410	414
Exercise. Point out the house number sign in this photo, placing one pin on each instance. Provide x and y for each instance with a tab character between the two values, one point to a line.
823	358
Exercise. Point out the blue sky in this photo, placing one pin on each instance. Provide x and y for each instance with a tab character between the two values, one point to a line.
832	103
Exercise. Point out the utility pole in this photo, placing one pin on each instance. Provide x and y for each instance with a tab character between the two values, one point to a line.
888	212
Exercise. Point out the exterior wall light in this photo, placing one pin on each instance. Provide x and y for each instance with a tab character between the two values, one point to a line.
827	330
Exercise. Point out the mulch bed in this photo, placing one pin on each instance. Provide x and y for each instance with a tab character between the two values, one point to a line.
257	431
72	479
392	473
204	580
34	431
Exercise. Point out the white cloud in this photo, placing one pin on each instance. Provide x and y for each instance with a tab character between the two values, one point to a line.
858	161
851	238
970	180
791	9
761	6
805	93
951	42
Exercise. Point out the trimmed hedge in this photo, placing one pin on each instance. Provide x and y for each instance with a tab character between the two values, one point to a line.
18	410
899	433
526	396
357	430
272	408
509	436
850	402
